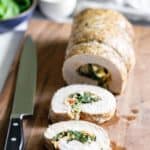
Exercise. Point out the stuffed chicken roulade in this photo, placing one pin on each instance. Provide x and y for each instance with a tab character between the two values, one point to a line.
82	102
100	50
76	135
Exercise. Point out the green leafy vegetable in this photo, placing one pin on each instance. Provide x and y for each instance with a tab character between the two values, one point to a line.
76	99
95	72
23	4
70	135
85	97
11	8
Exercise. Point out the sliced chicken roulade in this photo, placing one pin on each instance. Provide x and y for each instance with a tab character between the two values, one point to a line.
85	102
95	63
76	135
100	50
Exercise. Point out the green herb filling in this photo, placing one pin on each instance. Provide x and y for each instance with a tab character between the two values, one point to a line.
75	100
95	72
70	135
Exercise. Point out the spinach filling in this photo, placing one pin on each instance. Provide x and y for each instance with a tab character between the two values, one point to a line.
95	72
85	97
71	135
76	99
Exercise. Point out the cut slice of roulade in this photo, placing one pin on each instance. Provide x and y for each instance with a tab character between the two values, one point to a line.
108	69
85	102
76	135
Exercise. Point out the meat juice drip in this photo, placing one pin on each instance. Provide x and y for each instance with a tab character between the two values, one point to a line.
129	117
111	122
132	116
134	111
115	146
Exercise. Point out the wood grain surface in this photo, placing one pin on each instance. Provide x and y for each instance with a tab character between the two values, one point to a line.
128	130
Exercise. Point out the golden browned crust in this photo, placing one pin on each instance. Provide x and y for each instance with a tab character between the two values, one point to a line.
104	26
98	118
91	48
95	118
104	16
110	35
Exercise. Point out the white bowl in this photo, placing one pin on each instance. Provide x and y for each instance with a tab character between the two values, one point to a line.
57	9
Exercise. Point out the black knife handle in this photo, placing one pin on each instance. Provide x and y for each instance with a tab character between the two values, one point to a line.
15	138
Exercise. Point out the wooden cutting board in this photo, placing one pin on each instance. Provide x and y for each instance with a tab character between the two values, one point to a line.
128	130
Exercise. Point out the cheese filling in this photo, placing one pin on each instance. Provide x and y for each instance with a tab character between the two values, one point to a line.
70	135
75	100
95	72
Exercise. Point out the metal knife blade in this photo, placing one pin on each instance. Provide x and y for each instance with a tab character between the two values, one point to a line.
24	95
26	81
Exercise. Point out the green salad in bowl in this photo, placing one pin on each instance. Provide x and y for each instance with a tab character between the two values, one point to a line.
12	8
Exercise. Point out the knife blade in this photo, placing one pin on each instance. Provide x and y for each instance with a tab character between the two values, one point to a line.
24	95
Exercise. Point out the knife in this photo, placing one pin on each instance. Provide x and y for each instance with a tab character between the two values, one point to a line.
23	98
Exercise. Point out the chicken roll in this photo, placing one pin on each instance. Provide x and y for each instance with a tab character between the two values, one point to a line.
100	50
85	102
76	135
